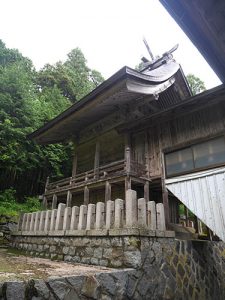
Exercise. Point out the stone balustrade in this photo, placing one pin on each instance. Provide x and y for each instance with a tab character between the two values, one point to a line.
131	214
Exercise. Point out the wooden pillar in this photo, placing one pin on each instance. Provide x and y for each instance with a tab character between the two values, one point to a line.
127	183
44	202
46	184
127	154
165	196
74	168
86	195
54	201
186	215
147	165
107	191
196	226
146	191
97	159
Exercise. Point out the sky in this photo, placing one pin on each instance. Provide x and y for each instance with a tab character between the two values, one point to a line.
109	33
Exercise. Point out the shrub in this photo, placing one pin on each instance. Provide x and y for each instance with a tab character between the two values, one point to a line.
10	208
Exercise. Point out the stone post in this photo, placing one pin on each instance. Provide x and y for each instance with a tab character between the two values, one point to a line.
161	225
69	199
60	216
110	214
74	218
151	215
53	219
82	217
32	221
90	216
131	208
119	213
100	215
42	221
47	220
20	222
28	222
146	191
142	213
67	218
107	191
37	221
86	195
24	222
54	201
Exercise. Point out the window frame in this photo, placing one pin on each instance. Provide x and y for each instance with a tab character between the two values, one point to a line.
194	170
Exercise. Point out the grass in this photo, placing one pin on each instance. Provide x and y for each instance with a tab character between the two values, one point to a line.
10	208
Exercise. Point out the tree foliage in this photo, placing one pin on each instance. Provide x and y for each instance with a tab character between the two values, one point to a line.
73	77
196	84
28	99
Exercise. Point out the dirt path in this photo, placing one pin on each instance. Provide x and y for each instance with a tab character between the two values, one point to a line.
20	267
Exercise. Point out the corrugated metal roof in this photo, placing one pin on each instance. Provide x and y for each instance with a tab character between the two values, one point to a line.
204	194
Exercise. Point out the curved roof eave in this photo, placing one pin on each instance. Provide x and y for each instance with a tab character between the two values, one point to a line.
145	84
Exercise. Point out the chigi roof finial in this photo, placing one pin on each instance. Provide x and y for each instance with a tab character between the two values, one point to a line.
158	60
148	48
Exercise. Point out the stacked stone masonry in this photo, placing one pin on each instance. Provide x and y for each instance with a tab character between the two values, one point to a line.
162	268
123	234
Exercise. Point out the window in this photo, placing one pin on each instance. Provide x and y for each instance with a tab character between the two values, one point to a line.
209	153
198	156
179	161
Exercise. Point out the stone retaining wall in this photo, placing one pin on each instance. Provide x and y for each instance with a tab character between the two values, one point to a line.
164	268
109	251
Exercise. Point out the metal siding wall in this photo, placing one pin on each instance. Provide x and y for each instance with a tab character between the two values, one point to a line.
204	194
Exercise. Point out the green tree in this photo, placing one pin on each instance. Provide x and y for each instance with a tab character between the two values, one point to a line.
73	78
196	84
28	99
